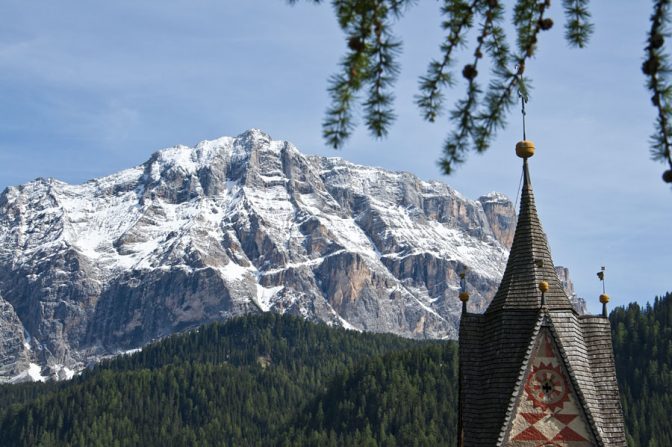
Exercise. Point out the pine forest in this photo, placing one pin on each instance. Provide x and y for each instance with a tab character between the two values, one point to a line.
267	379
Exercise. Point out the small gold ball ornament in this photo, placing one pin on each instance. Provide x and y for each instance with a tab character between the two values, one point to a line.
464	297
525	149
604	298
543	286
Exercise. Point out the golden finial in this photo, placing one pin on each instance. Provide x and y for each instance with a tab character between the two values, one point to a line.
525	149
464	295
604	298
543	287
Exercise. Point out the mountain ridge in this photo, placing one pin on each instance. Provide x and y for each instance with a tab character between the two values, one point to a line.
233	226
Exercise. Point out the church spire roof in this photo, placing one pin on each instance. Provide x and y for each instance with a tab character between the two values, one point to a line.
530	259
499	352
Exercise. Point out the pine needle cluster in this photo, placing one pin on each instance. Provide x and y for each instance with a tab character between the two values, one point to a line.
370	68
656	68
476	29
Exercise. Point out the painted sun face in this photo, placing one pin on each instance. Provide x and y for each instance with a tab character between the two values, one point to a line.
547	387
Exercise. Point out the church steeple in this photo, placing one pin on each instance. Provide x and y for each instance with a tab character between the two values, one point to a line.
530	260
532	370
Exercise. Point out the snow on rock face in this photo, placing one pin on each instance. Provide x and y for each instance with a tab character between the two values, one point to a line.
231	226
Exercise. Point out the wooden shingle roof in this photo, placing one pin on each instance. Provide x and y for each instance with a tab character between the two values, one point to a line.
529	262
492	350
495	347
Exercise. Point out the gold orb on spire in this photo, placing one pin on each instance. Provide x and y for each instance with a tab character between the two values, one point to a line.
525	149
464	297
543	286
604	298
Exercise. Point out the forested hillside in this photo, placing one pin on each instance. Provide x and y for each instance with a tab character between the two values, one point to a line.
244	382
403	399
274	380
643	346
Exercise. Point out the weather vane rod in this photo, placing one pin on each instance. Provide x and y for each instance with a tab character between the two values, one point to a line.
600	275
604	298
523	100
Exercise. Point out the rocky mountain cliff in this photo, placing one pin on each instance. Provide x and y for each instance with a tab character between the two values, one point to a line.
232	226
578	302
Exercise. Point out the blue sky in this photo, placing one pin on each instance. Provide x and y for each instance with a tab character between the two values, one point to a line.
89	88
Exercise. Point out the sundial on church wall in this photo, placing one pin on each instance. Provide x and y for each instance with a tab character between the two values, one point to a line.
547	387
547	414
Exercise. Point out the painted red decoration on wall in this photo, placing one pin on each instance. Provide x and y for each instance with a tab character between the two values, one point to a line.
547	387
547	413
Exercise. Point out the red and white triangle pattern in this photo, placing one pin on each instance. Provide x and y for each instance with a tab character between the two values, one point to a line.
548	414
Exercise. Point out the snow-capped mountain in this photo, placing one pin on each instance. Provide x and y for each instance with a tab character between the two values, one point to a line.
235	225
